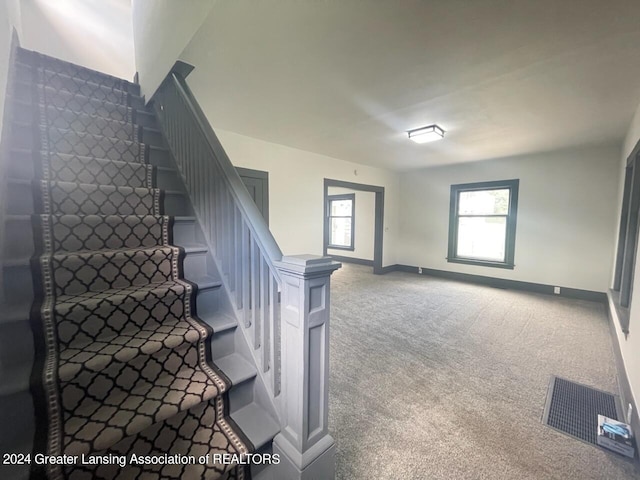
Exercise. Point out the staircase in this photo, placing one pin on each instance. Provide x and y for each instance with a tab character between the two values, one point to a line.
137	347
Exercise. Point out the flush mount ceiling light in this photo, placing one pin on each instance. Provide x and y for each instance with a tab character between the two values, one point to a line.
426	134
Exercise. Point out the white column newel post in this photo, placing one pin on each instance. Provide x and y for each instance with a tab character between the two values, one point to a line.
306	449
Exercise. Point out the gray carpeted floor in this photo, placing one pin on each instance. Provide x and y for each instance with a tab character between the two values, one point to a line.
435	379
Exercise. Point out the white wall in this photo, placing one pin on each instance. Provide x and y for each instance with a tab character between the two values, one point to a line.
566	216
13	11
630	345
9	19
96	34
161	30
5	50
365	222
296	190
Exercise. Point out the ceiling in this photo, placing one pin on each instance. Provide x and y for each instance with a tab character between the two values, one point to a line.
348	78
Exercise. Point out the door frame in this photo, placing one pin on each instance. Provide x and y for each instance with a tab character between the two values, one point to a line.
379	217
258	175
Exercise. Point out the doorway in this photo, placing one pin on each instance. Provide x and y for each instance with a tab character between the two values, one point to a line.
257	183
340	215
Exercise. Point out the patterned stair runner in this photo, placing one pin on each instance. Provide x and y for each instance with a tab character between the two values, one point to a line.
123	365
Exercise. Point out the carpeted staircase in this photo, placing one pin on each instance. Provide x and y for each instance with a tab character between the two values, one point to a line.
122	363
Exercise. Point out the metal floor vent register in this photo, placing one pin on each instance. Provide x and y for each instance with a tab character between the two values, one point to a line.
573	409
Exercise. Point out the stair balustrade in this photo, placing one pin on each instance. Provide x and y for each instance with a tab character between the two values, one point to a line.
290	338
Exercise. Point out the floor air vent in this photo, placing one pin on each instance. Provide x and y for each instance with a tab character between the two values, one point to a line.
573	408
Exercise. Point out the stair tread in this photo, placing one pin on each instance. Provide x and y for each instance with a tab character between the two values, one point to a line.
96	355
206	282
118	295
184	218
256	423
221	322
236	368
193	247
152	401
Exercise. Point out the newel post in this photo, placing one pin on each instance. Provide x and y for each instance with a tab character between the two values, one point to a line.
306	449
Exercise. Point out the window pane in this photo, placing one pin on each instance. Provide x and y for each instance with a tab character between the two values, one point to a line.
482	238
484	202
340	232
341	208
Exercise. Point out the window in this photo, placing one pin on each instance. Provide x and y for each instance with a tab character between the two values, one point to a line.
482	223
341	220
627	241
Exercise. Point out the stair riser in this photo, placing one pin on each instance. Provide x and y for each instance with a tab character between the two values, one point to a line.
184	232
153	137
24	137
241	395
20	201
78	104
80	87
23	133
160	157
21	166
24	92
97	272
223	344
16	415
69	142
207	301
167	179
145	119
176	204
18	287
23	113
195	264
25	72
18	241
18	284
16	348
18	238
